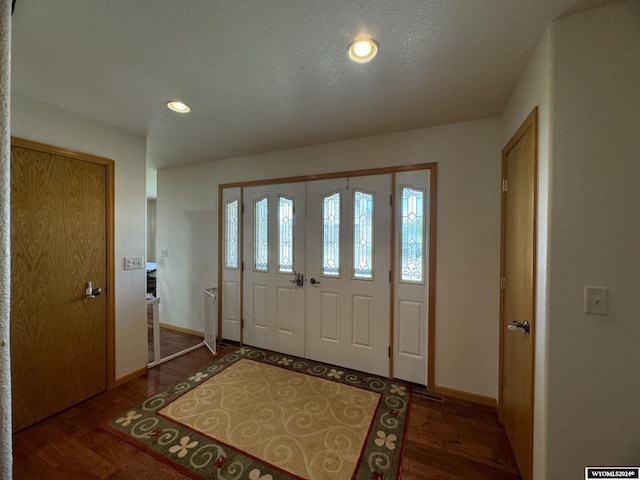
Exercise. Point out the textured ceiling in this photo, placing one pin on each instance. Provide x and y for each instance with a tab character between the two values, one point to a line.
265	75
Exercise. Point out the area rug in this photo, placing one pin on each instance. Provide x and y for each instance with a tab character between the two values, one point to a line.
260	415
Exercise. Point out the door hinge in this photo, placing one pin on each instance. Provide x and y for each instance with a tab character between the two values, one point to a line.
391	200
389	351
503	283
243	265
242	208
504	185
389	276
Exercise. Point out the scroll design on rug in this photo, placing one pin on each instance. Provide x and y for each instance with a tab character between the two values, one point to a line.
260	415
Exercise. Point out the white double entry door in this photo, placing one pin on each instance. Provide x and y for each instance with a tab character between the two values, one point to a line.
317	274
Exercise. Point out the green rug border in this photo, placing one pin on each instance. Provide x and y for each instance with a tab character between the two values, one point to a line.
156	435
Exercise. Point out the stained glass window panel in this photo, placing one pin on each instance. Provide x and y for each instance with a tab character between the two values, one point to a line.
231	240
331	234
285	235
412	234
362	235
261	231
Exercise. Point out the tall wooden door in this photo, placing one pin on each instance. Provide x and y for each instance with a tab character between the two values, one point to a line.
348	269
59	244
517	333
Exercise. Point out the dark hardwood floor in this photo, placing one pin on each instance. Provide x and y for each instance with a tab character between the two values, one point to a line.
171	341
446	440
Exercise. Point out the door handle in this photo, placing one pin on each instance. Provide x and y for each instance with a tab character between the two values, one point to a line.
299	279
524	326
313	281
92	292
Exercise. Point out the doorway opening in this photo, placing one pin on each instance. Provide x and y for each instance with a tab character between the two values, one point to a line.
164	341
337	268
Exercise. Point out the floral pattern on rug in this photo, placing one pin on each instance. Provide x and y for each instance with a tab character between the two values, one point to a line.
199	456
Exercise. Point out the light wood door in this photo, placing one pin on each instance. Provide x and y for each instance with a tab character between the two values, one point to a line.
348	269
59	244
519	164
274	252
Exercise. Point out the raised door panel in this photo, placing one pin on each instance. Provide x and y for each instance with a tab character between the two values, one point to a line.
411	335
330	316
362	323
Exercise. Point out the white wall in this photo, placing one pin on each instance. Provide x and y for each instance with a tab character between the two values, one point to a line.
594	239
534	89
44	123
468	157
152	180
151	229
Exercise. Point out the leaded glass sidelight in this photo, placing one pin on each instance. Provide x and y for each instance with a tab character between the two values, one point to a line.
362	235
331	234
261	232
285	234
411	264
231	238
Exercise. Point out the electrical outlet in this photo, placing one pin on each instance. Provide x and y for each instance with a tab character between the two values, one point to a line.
132	263
596	300
164	252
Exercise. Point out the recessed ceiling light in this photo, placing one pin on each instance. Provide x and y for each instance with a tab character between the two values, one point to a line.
363	50
178	106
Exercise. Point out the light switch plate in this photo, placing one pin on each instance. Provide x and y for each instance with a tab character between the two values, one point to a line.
132	263
596	300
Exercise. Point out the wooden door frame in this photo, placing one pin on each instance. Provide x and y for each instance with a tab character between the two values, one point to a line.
433	211
530	122
109	230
